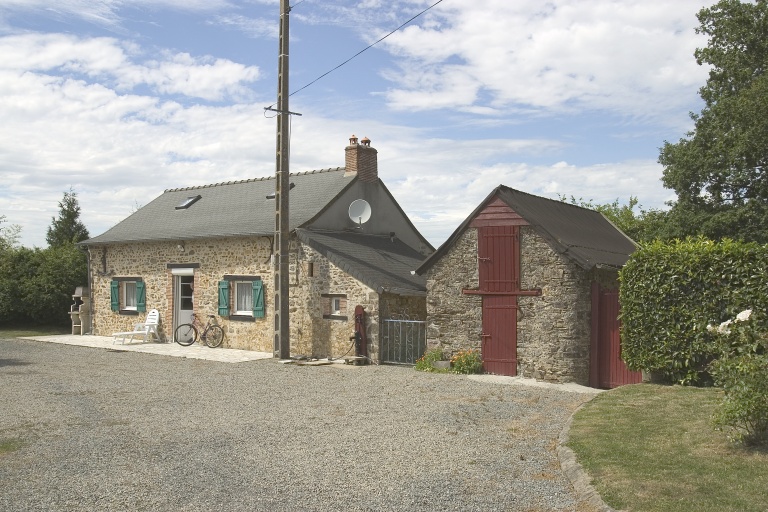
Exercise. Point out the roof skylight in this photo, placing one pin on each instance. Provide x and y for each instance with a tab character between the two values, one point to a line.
188	202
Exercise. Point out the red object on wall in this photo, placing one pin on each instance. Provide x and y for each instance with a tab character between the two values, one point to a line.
361	341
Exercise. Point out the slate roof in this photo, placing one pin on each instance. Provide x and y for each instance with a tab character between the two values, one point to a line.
377	261
237	208
585	236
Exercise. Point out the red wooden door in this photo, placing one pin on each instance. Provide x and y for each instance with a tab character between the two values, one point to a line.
499	273
498	259
499	348
611	371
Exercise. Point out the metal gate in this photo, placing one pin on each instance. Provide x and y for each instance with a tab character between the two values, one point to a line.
403	341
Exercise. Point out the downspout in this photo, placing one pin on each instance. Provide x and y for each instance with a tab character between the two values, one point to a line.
87	251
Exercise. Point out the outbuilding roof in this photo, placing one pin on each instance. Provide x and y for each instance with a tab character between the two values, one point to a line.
585	236
381	262
235	208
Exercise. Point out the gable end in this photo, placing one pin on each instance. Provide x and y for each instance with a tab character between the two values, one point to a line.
497	213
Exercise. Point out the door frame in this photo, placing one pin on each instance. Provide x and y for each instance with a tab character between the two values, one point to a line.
181	316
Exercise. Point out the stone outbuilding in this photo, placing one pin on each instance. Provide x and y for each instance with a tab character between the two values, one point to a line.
210	250
533	284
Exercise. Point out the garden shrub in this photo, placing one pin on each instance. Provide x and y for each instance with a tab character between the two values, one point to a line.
742	371
424	363
467	362
670	291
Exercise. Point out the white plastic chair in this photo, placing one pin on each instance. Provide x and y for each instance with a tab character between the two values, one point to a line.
146	329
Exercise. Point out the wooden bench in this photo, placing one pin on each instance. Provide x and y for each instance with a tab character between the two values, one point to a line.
146	329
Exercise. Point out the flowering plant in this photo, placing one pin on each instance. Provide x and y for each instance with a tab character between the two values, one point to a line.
741	369
724	327
425	362
467	361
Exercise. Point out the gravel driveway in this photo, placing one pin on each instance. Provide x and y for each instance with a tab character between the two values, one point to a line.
93	429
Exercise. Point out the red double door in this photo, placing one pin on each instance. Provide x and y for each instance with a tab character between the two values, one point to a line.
499	275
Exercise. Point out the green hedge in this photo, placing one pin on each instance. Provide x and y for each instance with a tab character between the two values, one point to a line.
36	285
671	291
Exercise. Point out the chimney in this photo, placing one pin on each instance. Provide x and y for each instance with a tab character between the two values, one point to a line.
361	159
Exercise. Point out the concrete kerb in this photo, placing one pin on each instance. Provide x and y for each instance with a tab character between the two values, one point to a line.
580	480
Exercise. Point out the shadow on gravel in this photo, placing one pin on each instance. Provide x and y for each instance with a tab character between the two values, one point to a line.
13	362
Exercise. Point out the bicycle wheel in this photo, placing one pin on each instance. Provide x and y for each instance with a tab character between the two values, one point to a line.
185	334
214	335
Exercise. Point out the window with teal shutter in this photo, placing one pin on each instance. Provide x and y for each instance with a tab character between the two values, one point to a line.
141	296
258	299
223	298
114	295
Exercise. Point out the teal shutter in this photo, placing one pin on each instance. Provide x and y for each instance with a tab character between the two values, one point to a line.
114	295
141	296
223	298
258	299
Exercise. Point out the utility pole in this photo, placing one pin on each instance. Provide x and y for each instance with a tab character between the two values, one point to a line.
282	186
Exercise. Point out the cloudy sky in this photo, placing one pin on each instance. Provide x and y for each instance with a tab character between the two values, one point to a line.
122	99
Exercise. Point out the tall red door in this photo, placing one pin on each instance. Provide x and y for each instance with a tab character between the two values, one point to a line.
499	349
610	371
499	272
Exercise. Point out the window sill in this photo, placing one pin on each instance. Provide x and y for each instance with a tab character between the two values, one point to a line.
129	312
335	317
242	318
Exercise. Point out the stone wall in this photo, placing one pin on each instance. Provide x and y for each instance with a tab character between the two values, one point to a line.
315	336
216	257
403	307
311	334
454	320
553	331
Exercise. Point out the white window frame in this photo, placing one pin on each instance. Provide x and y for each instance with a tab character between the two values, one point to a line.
236	304
126	306
336	306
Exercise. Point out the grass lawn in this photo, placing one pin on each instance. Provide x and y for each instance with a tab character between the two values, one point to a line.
16	331
653	448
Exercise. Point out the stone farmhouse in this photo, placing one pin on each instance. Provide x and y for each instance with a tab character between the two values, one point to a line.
210	250
533	284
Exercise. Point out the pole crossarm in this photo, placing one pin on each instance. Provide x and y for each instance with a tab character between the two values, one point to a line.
282	111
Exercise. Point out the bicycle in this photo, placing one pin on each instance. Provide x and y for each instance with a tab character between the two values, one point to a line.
187	334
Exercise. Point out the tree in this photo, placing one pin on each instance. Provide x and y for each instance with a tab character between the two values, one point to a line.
67	229
719	169
9	235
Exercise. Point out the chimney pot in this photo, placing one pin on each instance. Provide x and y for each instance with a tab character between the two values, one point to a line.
361	159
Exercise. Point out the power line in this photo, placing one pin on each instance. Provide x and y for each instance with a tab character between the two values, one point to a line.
364	49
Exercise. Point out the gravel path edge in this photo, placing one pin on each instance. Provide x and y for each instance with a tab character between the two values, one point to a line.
580	479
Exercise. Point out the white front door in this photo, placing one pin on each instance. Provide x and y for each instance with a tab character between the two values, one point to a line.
183	299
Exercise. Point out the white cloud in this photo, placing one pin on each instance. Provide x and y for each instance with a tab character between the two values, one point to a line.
119	63
439	201
253	27
82	129
104	12
630	57
206	77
